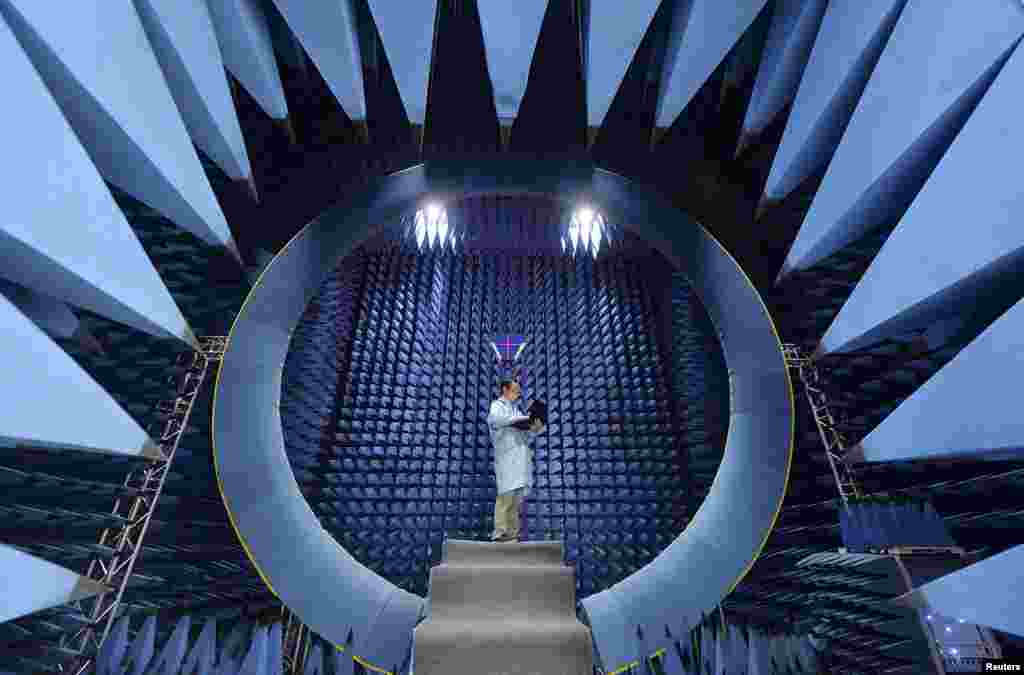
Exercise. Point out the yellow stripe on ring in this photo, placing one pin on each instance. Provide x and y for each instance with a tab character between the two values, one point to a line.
792	420
252	559
624	668
213	444
366	664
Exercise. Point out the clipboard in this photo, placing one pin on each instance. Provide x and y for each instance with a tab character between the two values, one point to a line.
538	410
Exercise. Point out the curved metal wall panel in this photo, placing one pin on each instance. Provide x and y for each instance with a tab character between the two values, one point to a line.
751	470
312	572
608	469
313	562
389	636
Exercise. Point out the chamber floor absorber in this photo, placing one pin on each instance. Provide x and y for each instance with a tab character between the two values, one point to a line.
502	609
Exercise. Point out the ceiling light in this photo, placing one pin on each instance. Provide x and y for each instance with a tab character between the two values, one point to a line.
442	228
421	228
585	215
431	227
433	211
586	230
432	230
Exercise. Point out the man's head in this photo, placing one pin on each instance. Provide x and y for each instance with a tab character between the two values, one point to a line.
510	390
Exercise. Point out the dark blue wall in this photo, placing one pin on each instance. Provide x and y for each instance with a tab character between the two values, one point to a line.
390	445
700	384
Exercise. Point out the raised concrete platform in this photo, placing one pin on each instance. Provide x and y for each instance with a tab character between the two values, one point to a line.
502	608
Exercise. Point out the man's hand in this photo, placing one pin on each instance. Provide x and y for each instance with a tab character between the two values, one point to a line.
536	426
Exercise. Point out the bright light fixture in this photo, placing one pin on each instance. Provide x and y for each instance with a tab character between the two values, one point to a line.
585	216
421	228
431	230
430	227
442	227
586	230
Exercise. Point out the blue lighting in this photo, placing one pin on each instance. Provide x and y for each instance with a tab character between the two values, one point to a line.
430	227
587	230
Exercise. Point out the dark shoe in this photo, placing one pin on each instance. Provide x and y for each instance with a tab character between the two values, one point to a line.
505	537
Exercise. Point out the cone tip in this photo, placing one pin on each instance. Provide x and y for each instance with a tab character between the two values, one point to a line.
188	336
250	188
86	588
818	352
289	129
362	130
151	450
855	454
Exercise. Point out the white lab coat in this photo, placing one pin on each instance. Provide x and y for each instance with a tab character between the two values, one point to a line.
513	458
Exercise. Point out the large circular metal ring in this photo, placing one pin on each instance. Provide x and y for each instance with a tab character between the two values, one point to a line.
347	603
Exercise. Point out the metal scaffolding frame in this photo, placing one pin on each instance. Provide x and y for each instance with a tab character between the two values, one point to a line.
126	540
831	437
298	640
849	489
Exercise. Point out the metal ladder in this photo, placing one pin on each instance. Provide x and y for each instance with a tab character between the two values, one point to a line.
147	482
297	640
831	437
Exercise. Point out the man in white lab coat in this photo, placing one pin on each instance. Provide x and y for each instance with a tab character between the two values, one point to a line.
513	460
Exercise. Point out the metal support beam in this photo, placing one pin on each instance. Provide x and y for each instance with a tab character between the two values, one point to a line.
147	483
297	642
831	438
